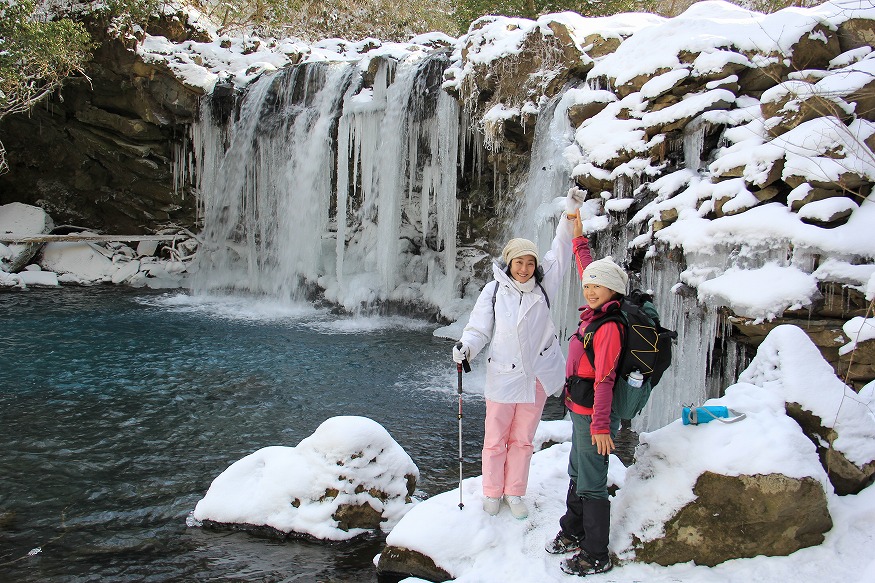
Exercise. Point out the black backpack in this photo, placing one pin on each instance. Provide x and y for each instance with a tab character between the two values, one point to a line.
646	349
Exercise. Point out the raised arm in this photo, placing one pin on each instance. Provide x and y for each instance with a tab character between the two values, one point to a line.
556	260
580	245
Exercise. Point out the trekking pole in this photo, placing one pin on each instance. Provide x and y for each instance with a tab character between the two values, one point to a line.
459	370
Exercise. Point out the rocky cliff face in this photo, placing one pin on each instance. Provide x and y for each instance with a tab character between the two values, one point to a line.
108	152
683	147
112	153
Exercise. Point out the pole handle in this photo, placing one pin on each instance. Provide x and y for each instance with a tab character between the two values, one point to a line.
464	364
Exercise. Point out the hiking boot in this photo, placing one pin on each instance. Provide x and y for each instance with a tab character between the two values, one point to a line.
517	507
582	564
562	544
491	505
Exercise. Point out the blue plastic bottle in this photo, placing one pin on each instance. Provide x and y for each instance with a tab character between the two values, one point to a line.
703	414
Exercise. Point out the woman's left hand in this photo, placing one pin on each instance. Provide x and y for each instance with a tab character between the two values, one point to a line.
578	225
603	443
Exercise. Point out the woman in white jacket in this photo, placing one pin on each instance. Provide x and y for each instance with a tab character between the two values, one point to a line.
525	361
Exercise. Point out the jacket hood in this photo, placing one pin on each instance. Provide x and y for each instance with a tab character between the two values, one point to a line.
499	272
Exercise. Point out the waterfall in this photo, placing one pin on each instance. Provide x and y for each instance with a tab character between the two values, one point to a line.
325	181
266	198
340	179
534	215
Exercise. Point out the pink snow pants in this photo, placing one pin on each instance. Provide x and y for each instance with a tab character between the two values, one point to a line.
507	444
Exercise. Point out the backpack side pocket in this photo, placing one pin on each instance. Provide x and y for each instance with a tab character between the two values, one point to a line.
629	401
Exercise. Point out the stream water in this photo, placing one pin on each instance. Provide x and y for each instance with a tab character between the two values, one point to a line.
118	407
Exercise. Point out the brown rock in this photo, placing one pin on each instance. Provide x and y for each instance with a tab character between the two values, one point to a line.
845	476
663	101
349	516
766	194
864	98
813	195
802	108
855	33
849	180
824	333
773	175
126	126
635	84
727	69
858	367
757	79
668	121
811	52
742	516
398	562
668	216
596	45
836	217
593	183
580	112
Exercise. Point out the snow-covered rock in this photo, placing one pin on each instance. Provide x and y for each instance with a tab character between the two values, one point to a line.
39	277
80	260
713	499
839	423
348	478
21	220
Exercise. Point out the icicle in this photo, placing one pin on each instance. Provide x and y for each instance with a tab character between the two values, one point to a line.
686	380
445	156
694	141
344	155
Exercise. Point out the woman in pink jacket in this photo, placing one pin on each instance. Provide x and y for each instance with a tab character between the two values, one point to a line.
589	392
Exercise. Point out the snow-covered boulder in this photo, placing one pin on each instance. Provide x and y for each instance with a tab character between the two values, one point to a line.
758	486
77	262
21	220
835	418
720	491
33	275
348	478
857	357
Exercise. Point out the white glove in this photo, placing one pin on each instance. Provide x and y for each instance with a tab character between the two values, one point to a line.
461	352
574	199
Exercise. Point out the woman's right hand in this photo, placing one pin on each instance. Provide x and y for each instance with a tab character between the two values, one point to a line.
603	442
461	353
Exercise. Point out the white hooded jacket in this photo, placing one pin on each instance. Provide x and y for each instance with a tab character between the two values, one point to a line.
524	345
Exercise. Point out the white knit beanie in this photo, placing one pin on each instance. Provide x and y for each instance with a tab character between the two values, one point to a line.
517	248
606	273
